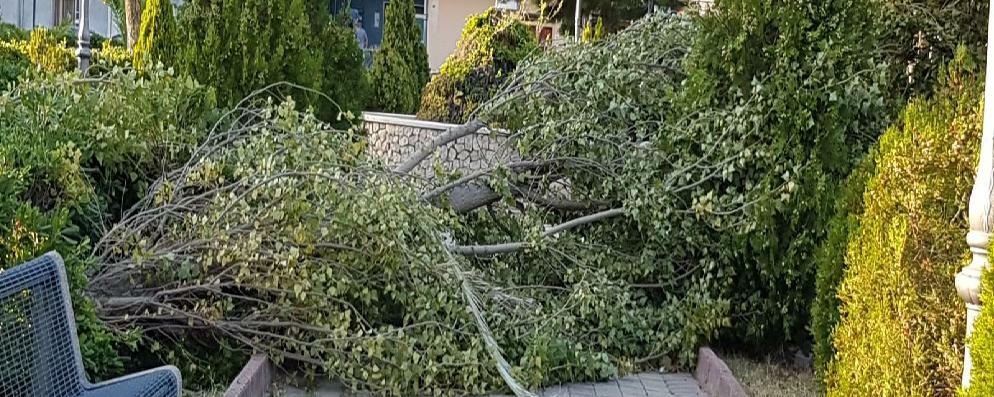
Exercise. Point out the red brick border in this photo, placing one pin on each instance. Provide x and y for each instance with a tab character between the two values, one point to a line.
714	376
254	380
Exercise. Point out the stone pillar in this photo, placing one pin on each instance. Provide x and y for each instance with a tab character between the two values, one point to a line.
981	220
83	38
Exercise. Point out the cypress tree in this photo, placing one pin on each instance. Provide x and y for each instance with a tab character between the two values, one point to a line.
157	38
400	69
241	46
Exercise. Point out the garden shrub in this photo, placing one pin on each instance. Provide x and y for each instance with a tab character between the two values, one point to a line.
809	74
239	47
830	264
13	64
901	324
400	67
50	55
10	32
157	36
982	343
72	158
490	48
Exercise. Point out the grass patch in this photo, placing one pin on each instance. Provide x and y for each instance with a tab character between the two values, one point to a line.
771	377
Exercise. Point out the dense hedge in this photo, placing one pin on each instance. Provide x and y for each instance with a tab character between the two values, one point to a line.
157	37
238	47
820	99
73	157
830	263
400	67
901	322
489	50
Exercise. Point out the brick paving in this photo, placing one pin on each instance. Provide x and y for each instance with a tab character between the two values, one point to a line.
641	385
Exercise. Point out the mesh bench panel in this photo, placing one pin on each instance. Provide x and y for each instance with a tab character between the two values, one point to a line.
39	352
156	383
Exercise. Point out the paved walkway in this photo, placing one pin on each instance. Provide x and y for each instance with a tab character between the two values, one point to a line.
642	385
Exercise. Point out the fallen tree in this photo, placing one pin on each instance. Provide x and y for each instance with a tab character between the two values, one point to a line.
599	252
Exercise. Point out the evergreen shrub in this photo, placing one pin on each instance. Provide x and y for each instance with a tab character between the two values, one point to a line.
901	323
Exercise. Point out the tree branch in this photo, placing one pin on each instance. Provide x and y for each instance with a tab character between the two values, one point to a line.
449	136
506	248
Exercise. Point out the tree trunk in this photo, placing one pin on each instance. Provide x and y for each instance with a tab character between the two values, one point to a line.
132	18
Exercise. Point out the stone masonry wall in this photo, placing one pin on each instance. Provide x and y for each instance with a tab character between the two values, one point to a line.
394	137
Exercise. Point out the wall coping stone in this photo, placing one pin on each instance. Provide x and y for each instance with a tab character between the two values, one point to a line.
407	120
254	380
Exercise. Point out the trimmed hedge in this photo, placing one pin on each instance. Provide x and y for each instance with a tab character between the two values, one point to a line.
901	322
489	50
830	263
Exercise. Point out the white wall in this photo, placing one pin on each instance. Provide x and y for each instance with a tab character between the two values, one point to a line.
28	14
446	19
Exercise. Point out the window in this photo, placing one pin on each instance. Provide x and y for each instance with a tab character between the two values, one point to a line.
66	11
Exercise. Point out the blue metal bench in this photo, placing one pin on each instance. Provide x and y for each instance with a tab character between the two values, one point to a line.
39	349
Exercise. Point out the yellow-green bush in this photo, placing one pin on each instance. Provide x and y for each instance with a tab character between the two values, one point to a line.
901	322
489	50
157	41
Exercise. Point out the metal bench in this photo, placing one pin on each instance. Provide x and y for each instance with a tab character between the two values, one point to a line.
39	348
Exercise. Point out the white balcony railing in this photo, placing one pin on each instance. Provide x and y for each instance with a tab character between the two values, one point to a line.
981	220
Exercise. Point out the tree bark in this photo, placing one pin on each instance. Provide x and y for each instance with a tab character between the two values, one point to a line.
133	20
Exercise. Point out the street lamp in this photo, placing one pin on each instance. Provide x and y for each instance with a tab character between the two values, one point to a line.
83	38
576	21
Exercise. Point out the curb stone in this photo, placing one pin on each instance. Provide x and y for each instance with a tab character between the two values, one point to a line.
714	376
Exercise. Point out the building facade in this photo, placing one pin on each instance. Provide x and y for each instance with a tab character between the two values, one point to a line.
441	22
30	14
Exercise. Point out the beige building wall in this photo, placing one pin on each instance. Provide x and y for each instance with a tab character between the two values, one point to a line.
446	19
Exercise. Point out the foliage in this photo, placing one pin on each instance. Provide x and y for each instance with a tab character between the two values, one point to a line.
901	322
285	238
71	155
10	32
982	343
817	101
830	263
157	36
489	50
49	55
13	64
920	37
592	32
238	47
400	68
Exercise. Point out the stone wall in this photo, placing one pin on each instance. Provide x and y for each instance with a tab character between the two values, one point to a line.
395	137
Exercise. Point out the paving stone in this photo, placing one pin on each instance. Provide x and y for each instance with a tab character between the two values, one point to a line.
607	389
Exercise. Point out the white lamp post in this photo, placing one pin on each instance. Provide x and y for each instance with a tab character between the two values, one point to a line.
981	214
83	38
